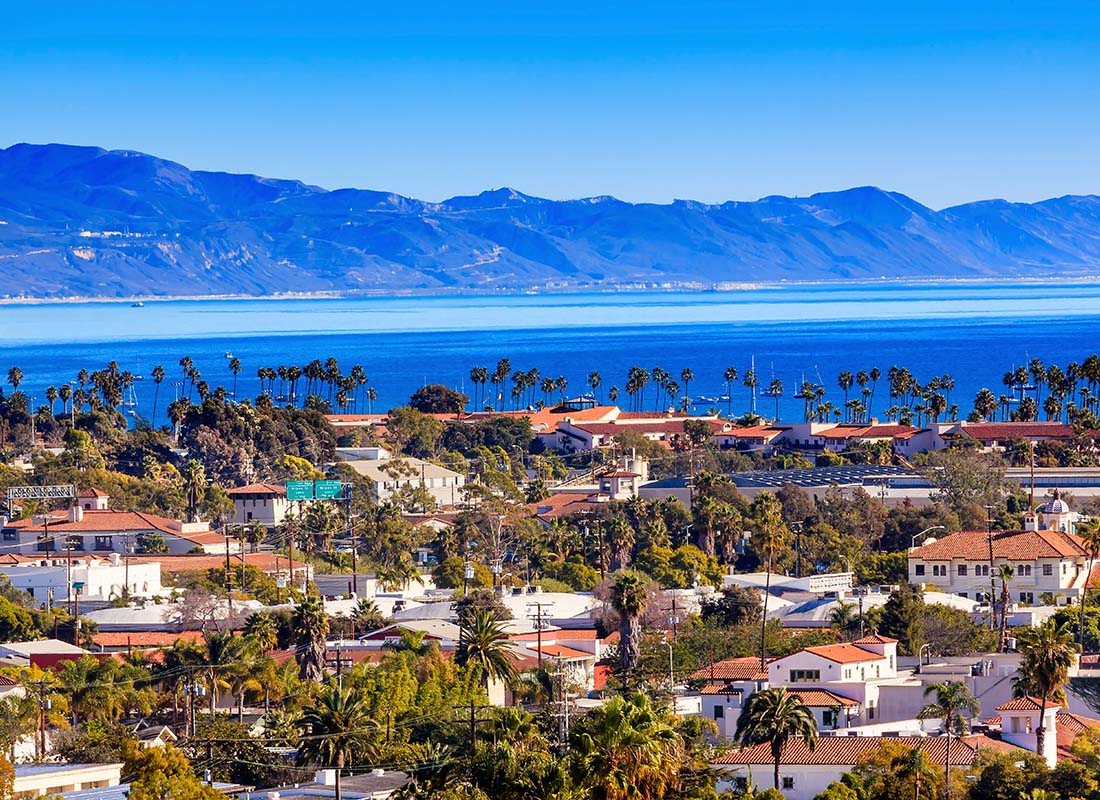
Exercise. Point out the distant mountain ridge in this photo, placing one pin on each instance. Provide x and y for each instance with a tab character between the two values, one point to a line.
88	222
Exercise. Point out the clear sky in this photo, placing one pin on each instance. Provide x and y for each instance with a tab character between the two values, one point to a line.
649	101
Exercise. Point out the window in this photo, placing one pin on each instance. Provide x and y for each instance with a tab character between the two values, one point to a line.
103	543
1027	598
788	782
805	675
829	718
962	569
719	711
870	711
11	536
981	570
919	569
1048	570
1023	570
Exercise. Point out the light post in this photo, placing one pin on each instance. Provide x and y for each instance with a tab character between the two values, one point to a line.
920	655
72	405
913	543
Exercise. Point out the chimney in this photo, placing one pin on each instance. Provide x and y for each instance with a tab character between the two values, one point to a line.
76	514
116	560
325	777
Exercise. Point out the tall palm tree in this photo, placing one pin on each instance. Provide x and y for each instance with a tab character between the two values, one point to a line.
775	716
15	377
1090	533
158	379
629	597
627	749
955	705
918	767
310	632
235	368
484	643
1049	652
730	375
771	531
337	730
1005	573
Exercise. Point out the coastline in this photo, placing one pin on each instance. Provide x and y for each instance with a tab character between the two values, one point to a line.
558	291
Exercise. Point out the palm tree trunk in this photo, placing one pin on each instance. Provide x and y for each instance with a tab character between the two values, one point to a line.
1041	732
775	774
947	766
339	769
763	626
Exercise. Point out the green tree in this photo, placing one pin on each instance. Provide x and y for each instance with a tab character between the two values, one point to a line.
483	643
163	773
954	705
903	619
435	398
337	731
775	716
1049	652
310	632
629	597
627	750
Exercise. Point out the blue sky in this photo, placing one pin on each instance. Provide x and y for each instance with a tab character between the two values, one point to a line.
645	101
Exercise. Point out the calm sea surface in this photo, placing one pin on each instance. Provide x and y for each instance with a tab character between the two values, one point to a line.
972	332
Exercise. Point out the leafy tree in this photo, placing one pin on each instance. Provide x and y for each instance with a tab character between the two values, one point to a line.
16	624
163	773
435	398
478	600
903	619
734	605
450	574
775	716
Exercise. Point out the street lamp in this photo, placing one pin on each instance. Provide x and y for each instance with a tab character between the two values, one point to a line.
920	655
913	543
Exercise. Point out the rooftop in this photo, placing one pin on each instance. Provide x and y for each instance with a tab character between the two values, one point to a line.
847	751
1011	545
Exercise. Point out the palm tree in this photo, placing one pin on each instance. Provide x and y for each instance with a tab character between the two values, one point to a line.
337	728
158	379
918	767
235	368
775	716
627	749
15	377
484	643
730	376
263	631
310	631
955	705
772	535
1005	573
51	397
775	390
1049	652
594	381
629	597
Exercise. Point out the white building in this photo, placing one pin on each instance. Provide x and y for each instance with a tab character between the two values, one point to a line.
390	475
89	577
263	502
91	526
35	780
1047	558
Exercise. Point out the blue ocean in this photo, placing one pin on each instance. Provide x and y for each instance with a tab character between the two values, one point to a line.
973	332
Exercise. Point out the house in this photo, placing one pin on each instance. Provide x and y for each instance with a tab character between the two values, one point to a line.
36	780
390	475
89	578
155	736
724	686
91	526
263	502
45	653
806	772
1046	558
378	784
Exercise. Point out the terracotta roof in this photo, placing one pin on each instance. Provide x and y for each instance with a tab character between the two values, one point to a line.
732	669
262	561
561	504
560	651
92	492
566	635
6	681
259	488
1074	723
847	751
1009	545
869	432
822	698
1025	704
989	431
621	473
721	688
751	432
843	653
654	428
145	638
875	638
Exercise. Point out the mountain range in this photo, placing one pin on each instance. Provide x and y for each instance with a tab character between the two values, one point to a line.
87	222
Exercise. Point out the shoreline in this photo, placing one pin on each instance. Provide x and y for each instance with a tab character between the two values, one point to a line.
683	288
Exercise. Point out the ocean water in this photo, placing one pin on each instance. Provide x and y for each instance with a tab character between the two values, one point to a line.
974	332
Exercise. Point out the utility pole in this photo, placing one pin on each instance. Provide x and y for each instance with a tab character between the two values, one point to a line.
673	618
43	705
351	539
228	572
538	605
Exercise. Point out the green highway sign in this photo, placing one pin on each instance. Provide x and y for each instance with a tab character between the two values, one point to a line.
299	490
327	490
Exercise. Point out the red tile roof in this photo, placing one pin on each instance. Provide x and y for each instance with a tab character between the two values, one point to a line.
1010	545
751	432
875	638
92	492
869	432
260	488
847	751
732	669
1025	704
844	653
567	635
822	698
560	651
101	521
262	561
990	431
145	638
561	504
